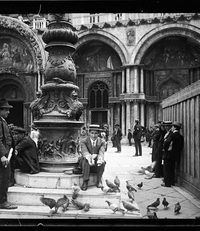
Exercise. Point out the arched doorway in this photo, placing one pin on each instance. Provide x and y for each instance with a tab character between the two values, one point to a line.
170	64
98	103
14	93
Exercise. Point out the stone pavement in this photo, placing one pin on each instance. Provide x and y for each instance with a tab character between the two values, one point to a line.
126	167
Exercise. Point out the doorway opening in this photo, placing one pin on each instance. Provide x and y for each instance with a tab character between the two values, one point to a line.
16	114
99	117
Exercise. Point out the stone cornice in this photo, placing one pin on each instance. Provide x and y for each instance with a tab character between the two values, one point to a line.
137	22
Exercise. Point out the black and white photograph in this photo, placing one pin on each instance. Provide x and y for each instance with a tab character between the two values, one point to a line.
99	114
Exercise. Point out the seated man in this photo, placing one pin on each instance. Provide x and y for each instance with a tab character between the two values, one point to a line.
26	158
92	160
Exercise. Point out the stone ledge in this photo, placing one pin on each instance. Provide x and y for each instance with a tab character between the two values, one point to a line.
52	180
72	213
31	196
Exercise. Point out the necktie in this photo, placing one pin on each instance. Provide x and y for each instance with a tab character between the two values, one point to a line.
93	147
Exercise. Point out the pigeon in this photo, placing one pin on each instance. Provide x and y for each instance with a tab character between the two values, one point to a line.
76	188
140	185
48	201
154	204
151	215
131	195
62	202
106	189
117	181
80	205
115	208
75	195
130	187
129	206
165	202
177	208
112	185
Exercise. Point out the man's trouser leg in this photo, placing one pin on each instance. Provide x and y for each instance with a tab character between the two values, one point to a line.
136	147
85	168
4	182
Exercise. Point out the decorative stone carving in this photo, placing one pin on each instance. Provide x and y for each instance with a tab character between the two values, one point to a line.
57	110
130	34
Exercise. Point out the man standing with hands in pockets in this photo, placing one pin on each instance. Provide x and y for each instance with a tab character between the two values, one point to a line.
6	143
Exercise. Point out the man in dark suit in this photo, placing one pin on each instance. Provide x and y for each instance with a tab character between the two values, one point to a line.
92	160
6	143
173	146
137	133
26	158
118	137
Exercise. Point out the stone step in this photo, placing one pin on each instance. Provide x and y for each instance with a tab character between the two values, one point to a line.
42	212
20	195
52	180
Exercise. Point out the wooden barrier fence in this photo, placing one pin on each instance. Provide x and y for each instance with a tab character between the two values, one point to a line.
184	107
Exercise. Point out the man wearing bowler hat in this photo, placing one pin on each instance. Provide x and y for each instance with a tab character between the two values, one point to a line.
92	160
6	143
173	145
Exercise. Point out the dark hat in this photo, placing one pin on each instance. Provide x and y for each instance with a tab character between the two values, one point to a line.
94	127
167	123
137	120
4	104
19	130
117	125
177	124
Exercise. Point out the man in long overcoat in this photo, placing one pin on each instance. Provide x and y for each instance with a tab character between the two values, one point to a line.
137	133
173	146
6	143
92	160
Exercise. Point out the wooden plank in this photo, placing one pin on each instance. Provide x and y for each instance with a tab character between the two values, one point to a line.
187	114
197	139
185	136
192	137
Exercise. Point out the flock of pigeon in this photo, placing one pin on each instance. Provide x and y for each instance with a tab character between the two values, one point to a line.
109	187
129	206
64	202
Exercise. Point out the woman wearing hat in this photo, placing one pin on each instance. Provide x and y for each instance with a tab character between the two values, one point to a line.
173	146
6	143
92	148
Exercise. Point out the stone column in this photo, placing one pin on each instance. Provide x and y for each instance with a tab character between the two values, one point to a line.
136	109
127	115
114	84
123	119
141	79
128	79
123	81
142	114
136	80
111	118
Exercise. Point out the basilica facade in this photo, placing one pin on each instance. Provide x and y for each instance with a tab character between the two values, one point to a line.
126	64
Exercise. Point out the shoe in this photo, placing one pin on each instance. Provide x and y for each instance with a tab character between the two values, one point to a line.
117	151
135	155
164	185
7	205
84	185
99	184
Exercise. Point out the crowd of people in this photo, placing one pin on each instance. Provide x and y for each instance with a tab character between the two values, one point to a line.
164	138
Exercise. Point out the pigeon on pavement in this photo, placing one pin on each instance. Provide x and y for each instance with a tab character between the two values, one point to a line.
129	206
140	185
151	215
117	181
165	202
112	185
106	189
130	187
177	208
80	205
62	202
131	195
154	204
114	207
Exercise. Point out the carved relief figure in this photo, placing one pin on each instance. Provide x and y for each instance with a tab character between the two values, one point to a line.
130	34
